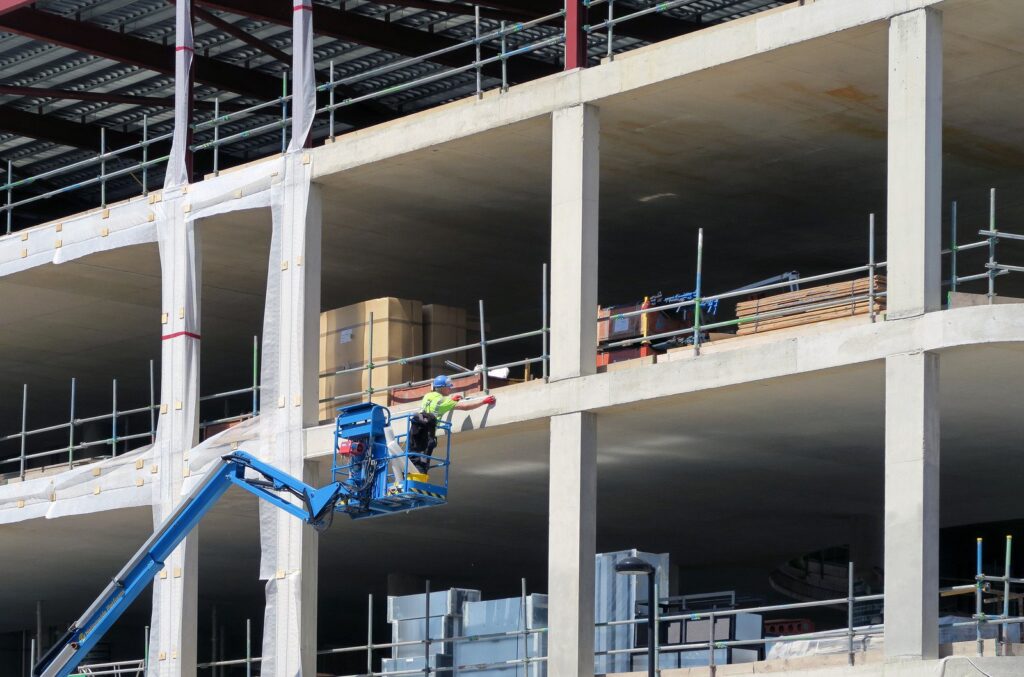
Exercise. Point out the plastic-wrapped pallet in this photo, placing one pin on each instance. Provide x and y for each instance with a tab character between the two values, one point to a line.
484	657
407	615
615	599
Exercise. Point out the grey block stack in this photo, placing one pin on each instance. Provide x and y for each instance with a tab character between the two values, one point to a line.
408	618
615	599
485	657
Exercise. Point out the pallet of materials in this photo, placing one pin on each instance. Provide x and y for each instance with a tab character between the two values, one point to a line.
808	305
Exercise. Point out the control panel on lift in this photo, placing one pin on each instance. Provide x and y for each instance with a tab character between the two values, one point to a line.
382	473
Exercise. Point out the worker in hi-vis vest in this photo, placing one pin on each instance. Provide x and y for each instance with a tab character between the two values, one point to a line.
436	405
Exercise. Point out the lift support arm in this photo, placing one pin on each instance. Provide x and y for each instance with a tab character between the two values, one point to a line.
268	484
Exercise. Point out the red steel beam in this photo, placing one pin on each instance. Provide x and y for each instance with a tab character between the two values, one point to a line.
575	35
11	5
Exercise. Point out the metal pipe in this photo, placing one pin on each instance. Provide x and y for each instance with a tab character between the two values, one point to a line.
849	614
32	653
523	626
654	614
24	421
71	427
248	647
152	405
978	611
711	645
426	634
10	189
1006	592
369	634
284	112
255	375
483	347
609	34
330	102
103	167
504	61
544	318
697	292
952	250
113	421
871	267
369	361
145	655
216	136
145	153
992	246
476	42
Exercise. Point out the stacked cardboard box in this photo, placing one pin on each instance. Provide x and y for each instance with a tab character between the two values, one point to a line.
444	327
809	305
344	343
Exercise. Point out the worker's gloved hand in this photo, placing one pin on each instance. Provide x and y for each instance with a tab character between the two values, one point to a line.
489	400
456	397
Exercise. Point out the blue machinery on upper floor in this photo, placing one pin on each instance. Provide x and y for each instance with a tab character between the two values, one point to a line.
370	477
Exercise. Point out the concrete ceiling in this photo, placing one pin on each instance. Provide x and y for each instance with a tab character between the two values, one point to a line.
732	483
780	158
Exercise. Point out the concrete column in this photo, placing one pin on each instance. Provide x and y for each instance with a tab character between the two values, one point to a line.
911	506
575	173
289	547
914	164
572	535
175	601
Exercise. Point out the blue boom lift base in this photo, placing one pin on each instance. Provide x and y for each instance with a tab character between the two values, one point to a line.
368	480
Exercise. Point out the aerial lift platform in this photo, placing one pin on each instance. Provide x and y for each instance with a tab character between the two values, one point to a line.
370	478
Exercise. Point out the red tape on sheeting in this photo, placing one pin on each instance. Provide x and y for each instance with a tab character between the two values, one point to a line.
299	8
184	48
179	333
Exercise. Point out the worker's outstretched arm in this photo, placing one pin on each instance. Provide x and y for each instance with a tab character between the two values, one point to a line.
465	405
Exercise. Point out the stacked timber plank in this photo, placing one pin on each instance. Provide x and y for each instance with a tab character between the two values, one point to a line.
806	306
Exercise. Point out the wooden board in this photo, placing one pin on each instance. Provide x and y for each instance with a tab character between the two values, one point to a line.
806	306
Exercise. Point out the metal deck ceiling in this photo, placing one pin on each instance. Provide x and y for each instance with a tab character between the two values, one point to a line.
57	50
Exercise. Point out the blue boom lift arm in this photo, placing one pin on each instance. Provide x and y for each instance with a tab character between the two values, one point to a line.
368	481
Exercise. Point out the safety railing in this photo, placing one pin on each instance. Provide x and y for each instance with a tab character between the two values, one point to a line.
483	370
873	297
125	428
135	668
368	658
134	160
508	39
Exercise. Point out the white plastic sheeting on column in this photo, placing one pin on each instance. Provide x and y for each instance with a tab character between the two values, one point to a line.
177	164
303	78
173	626
289	378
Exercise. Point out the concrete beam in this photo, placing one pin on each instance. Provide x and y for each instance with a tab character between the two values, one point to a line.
912	506
575	177
915	164
572	544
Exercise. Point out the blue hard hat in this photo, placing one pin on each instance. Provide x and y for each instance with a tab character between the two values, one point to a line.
442	381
